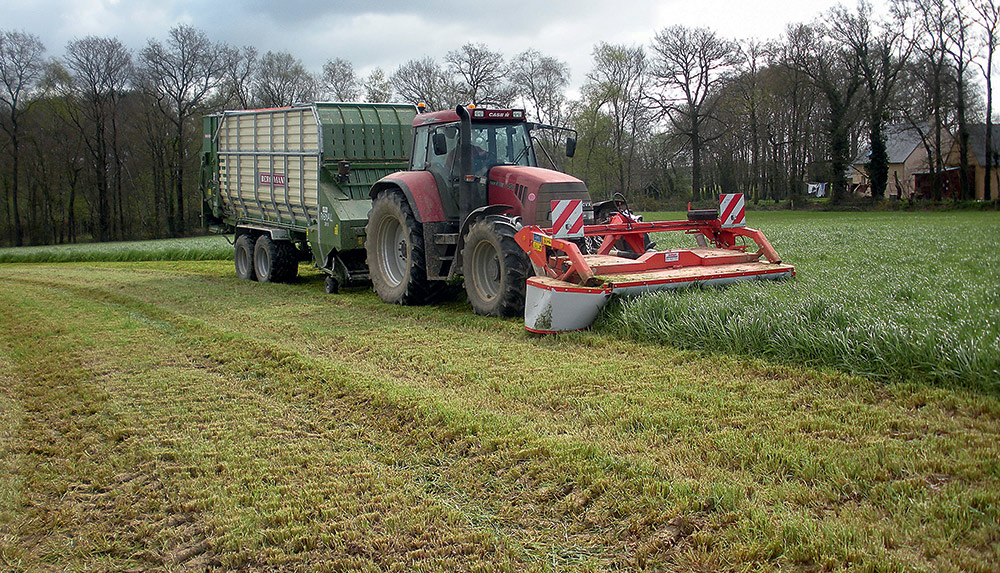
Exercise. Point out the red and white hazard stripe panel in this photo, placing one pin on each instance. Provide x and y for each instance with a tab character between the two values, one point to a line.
732	210
567	218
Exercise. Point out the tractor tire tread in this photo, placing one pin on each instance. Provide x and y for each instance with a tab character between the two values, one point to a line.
286	261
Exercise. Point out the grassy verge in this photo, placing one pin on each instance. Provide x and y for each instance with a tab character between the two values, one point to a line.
889	295
171	415
189	249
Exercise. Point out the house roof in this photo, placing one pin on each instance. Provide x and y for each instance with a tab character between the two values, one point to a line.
977	141
900	141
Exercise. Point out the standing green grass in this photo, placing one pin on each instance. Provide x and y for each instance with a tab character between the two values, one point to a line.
191	249
889	295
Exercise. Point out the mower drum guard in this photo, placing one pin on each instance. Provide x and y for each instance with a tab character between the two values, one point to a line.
569	288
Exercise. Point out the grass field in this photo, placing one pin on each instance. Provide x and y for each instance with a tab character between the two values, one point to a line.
167	415
890	295
191	249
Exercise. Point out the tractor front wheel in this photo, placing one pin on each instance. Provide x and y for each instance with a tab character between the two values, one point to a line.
495	269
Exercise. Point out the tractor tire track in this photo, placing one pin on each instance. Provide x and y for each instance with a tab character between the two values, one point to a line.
521	468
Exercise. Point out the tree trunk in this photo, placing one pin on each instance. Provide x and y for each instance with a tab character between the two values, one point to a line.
695	161
71	209
755	167
987	194
179	219
989	130
101	173
840	147
15	164
965	190
116	152
938	163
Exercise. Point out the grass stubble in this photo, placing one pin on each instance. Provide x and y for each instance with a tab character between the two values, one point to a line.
168	415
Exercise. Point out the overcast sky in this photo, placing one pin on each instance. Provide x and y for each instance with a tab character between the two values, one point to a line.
387	33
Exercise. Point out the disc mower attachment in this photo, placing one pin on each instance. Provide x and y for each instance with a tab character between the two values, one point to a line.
570	288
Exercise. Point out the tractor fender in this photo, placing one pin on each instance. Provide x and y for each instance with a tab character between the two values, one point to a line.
496	211
420	190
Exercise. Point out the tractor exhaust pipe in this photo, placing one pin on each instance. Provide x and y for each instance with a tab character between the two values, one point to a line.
469	198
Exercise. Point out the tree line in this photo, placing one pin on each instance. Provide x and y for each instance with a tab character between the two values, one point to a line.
102	143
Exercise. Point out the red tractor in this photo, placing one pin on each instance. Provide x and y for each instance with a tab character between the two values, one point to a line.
473	182
475	203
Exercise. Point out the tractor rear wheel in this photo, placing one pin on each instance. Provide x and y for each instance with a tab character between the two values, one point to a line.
495	269
243	257
395	249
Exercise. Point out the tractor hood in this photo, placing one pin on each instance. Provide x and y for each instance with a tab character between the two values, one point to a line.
531	190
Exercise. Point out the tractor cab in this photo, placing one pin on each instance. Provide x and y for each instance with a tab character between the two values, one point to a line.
494	142
497	137
473	181
476	154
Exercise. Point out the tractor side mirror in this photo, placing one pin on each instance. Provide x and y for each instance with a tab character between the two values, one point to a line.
440	144
570	146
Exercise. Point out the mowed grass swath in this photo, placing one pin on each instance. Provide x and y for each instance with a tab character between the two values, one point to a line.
167	415
891	295
187	249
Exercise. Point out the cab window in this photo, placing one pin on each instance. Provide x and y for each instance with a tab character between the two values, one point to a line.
418	161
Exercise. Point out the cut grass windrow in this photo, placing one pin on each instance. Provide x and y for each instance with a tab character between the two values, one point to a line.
285	428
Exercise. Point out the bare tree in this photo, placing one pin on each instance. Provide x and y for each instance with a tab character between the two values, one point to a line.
880	54
241	68
180	75
751	96
541	81
340	81
798	109
377	87
21	67
99	71
614	93
959	48
424	81
689	65
930	34
483	73
283	80
989	11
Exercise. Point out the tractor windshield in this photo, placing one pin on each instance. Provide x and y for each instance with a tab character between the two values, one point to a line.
500	144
